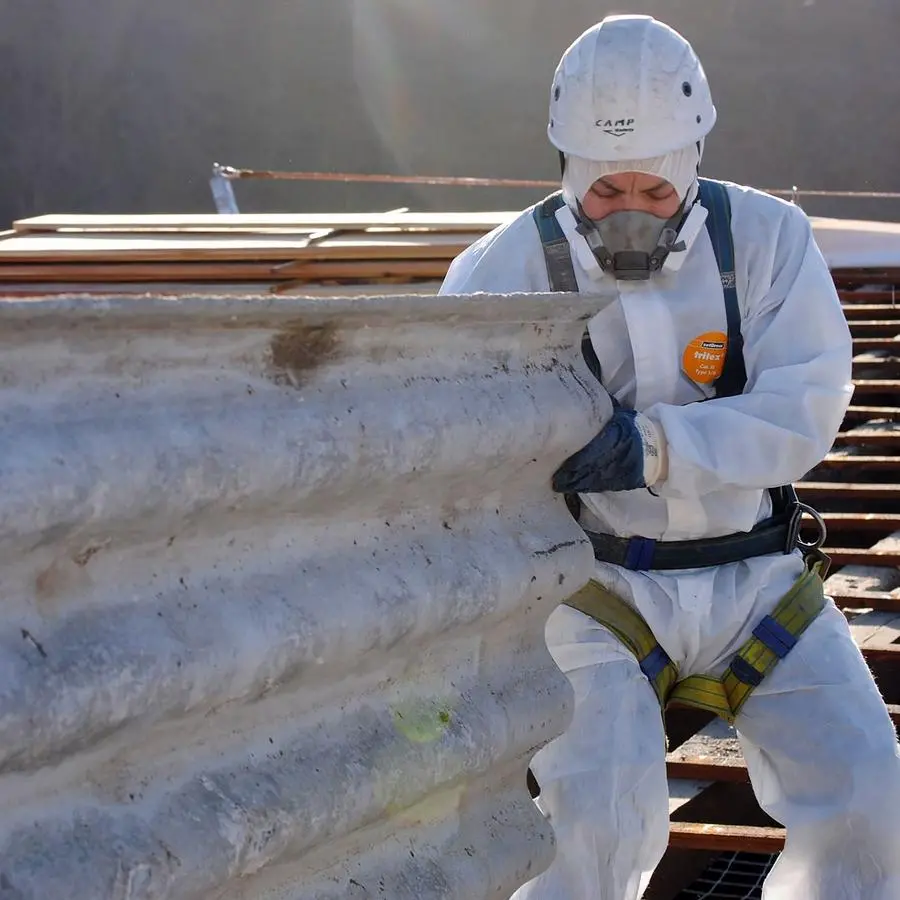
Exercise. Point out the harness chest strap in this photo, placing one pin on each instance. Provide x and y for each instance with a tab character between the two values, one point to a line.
772	639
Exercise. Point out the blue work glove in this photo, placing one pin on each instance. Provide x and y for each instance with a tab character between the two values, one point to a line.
615	460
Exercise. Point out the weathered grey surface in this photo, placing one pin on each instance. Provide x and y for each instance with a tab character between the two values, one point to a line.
273	577
122	105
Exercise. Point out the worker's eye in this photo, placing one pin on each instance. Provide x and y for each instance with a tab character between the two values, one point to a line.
663	192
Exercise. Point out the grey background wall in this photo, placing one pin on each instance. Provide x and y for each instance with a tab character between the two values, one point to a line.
123	105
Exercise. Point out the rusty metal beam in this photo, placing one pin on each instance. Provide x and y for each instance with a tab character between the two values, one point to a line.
870	463
834	490
876	386
877	367
724	838
879	522
868	438
704	770
866	413
870	296
874	328
858	277
880	600
868	345
853	556
881	311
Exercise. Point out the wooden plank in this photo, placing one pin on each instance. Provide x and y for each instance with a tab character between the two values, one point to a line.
182	248
683	790
877	633
128	272
442	221
706	755
725	838
217	288
220	271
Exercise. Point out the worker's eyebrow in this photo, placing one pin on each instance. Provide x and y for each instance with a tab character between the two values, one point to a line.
607	185
662	183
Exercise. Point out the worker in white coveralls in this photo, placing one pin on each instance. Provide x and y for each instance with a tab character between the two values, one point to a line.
720	339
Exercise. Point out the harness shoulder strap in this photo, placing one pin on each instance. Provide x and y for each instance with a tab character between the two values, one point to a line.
560	271
714	196
731	383
557	256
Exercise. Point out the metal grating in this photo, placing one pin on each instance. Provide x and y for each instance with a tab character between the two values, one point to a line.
732	876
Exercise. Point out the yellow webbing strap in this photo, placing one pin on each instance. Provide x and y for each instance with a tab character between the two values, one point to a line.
703	692
771	641
629	627
795	612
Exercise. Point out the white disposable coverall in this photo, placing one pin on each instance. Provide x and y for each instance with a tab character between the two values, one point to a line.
817	738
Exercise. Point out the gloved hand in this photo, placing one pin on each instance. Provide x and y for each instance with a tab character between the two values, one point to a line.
629	453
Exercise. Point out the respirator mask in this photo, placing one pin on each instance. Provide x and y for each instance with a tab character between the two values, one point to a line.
631	245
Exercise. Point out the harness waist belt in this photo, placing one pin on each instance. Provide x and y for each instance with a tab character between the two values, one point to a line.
778	534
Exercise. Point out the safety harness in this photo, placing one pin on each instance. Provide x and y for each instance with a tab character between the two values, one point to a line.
772	639
778	632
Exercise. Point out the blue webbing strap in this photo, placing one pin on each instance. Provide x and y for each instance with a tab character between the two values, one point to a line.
714	196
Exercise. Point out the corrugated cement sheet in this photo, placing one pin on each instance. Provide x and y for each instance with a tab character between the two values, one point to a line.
274	575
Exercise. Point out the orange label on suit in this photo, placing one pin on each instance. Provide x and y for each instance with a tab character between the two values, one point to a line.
704	357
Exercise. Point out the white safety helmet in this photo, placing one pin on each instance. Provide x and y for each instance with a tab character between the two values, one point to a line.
629	88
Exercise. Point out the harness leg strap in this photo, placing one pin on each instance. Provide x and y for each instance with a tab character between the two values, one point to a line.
772	639
614	614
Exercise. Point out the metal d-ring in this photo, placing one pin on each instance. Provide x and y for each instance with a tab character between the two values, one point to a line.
823	530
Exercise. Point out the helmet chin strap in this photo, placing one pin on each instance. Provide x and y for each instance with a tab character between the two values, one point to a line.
629	264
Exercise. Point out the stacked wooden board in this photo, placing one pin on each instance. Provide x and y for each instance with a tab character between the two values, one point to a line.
280	252
273	252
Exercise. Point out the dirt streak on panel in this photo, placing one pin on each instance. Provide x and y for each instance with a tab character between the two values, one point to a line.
299	349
